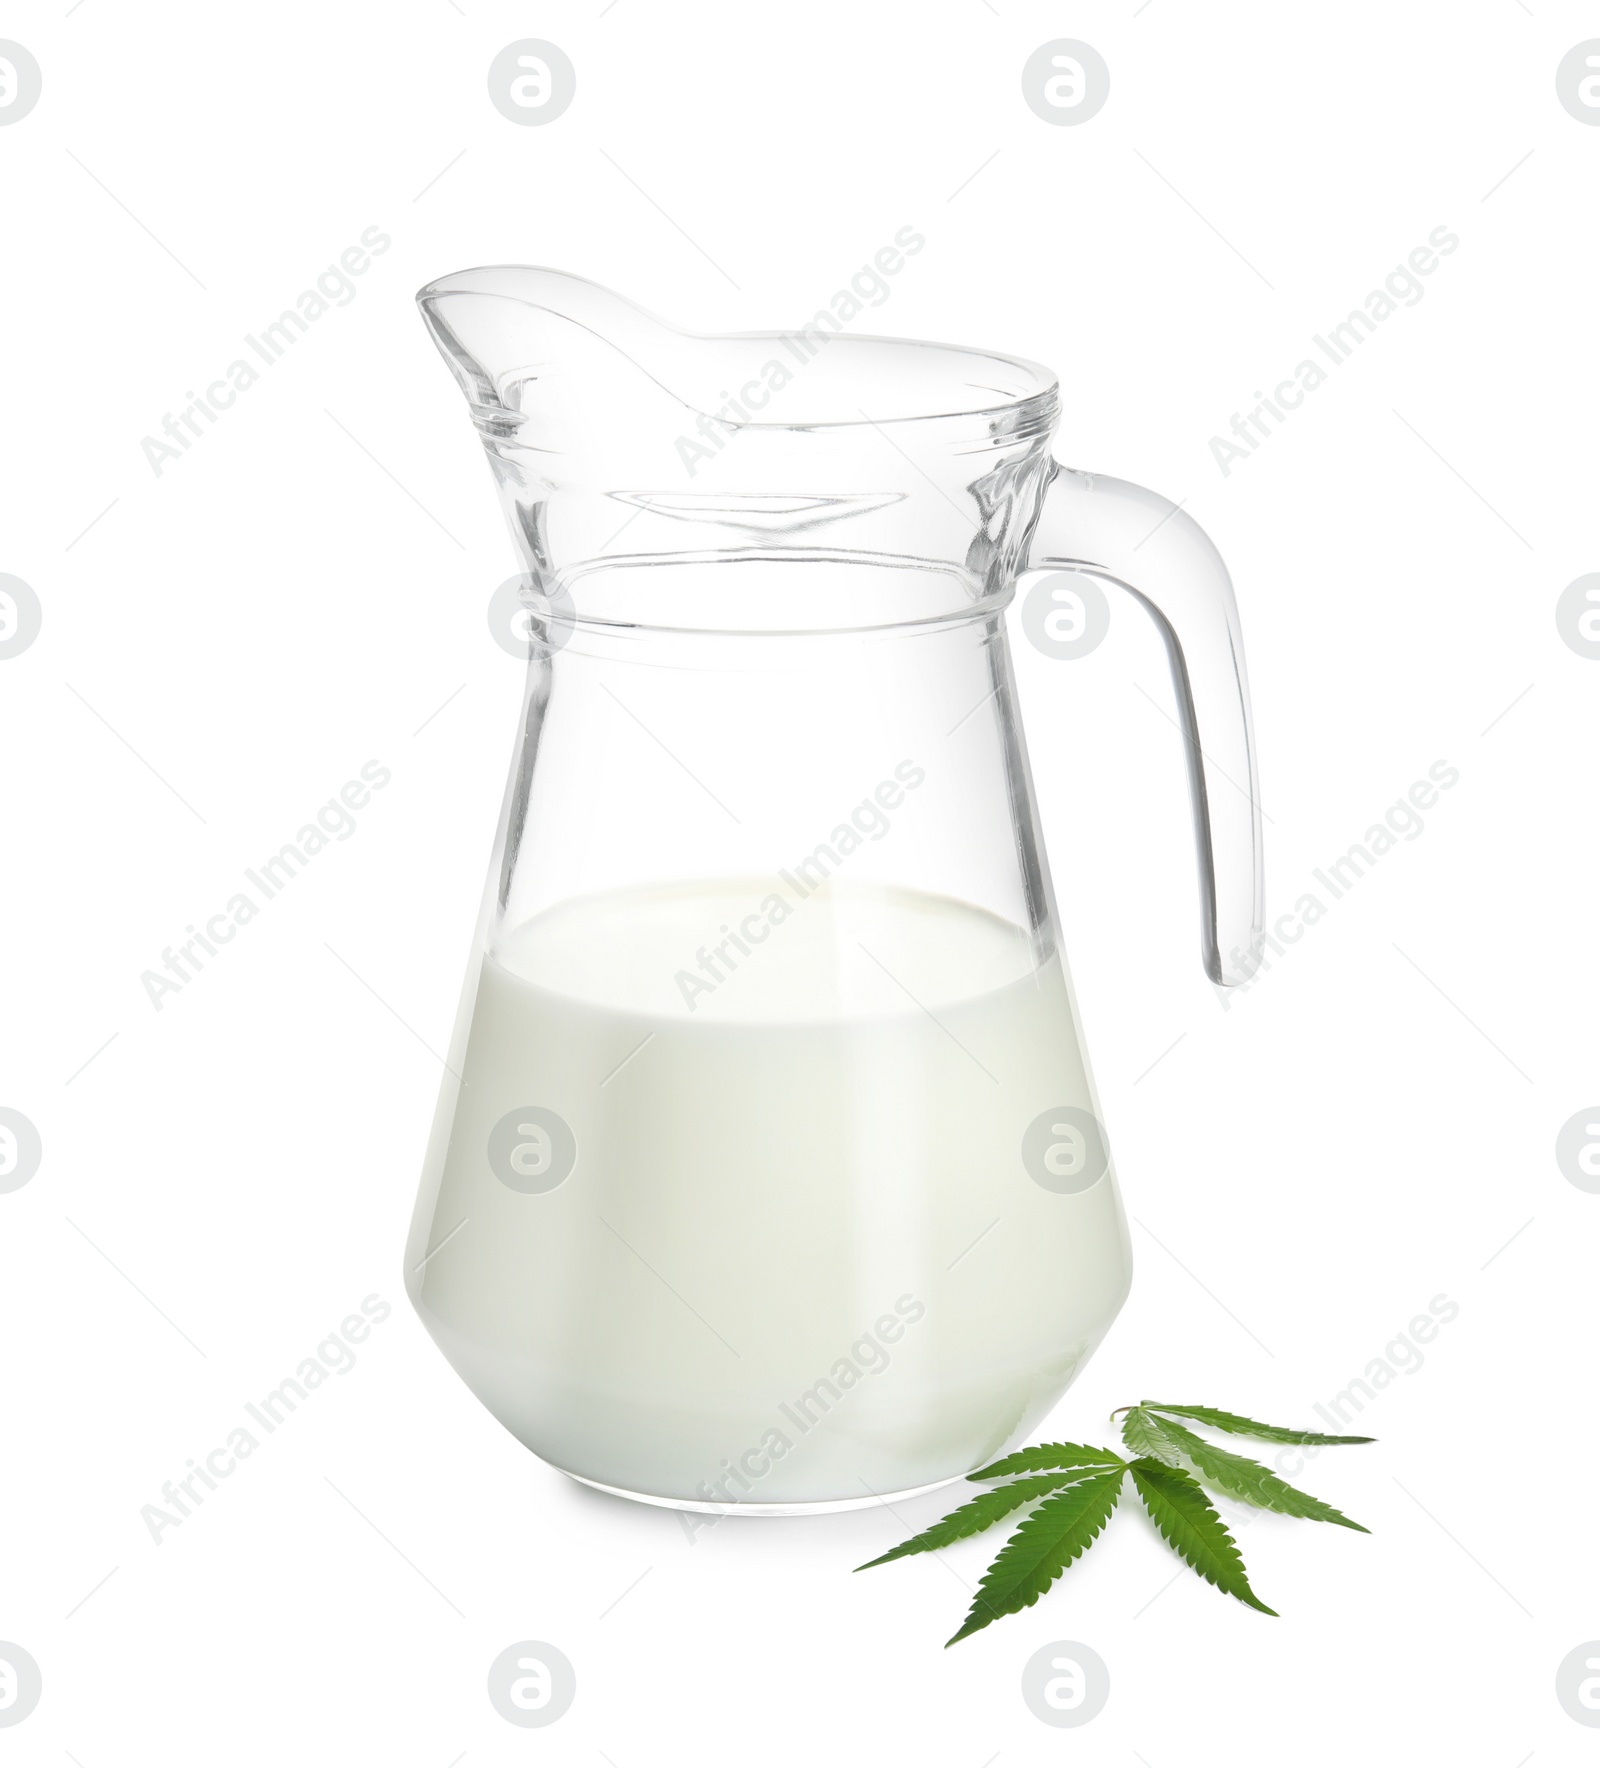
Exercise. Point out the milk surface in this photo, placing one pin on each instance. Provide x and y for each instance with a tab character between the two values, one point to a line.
765	1234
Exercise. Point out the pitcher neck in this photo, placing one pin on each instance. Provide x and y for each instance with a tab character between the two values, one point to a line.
765	481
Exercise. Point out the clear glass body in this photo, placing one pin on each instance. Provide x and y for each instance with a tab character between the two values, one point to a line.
768	1171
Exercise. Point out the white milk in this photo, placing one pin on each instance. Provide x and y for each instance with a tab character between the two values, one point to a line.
799	1258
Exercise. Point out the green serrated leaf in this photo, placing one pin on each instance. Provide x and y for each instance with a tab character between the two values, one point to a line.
1237	1476
1058	1532
1237	1426
981	1513
1145	1434
1179	1509
1047	1456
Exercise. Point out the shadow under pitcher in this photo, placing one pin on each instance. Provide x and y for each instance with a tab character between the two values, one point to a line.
768	1172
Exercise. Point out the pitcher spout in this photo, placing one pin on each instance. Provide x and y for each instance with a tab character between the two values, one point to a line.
547	357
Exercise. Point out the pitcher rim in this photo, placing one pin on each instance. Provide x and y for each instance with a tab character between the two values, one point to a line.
1032	410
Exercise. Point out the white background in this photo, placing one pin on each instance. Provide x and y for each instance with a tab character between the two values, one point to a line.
224	645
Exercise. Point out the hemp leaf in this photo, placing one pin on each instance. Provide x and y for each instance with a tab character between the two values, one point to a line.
1062	1528
1187	1522
973	1518
1234	1425
1234	1476
1074	1488
1142	1432
1047	1456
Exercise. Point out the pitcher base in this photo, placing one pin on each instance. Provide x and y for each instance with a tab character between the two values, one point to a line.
818	1507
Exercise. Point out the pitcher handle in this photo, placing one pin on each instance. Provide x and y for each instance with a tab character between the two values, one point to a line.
1146	545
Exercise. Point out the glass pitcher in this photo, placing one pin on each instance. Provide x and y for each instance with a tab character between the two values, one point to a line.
768	1173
